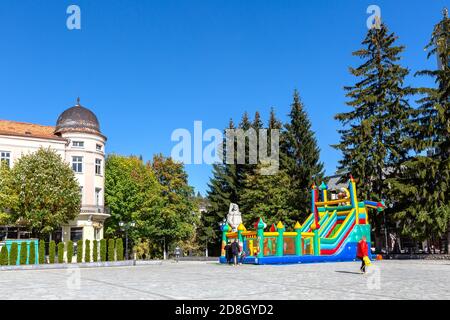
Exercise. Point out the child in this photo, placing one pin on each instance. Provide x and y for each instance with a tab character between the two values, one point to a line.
362	252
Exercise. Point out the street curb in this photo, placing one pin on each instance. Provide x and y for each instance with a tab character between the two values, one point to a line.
56	266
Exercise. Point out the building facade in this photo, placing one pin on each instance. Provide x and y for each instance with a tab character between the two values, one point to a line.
78	140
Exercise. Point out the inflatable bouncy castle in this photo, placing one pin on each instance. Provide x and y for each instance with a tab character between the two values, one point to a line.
330	233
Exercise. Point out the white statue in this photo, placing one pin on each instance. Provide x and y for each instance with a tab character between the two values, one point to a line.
234	217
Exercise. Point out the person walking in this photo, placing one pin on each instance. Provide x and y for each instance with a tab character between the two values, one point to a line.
177	253
362	253
235	249
228	254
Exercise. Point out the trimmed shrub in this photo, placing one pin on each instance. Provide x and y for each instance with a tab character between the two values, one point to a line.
4	256
95	251
69	251
23	253
32	258
87	251
111	253
13	255
61	252
51	251
79	251
119	249
103	250
41	252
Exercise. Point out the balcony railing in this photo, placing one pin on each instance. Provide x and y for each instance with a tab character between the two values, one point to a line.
94	208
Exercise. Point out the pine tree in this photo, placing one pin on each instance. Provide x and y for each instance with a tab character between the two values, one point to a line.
300	157
267	197
423	190
374	139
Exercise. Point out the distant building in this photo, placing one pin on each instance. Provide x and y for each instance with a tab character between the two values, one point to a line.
78	140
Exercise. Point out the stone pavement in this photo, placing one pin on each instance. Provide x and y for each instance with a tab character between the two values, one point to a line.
393	279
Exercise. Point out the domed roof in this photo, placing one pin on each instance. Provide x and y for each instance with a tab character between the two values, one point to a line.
78	119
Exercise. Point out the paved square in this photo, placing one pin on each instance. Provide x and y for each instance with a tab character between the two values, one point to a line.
411	279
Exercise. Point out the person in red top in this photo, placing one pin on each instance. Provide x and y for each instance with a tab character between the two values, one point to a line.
361	252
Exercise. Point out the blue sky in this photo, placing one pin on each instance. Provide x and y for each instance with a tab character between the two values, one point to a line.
147	68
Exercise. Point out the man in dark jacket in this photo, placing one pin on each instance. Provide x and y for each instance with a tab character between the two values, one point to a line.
228	254
235	250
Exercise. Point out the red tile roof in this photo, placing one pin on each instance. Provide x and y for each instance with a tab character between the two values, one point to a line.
23	129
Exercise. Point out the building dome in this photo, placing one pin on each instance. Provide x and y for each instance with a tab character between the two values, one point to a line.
77	119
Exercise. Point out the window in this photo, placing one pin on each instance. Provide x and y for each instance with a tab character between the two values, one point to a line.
97	196
78	144
77	164
76	234
99	147
98	166
5	157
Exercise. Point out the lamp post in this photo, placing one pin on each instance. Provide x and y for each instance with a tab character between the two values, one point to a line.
125	226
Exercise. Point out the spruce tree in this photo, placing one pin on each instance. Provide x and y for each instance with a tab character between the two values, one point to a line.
423	190
300	157
375	137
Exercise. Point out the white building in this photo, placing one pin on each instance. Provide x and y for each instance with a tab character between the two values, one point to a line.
78	139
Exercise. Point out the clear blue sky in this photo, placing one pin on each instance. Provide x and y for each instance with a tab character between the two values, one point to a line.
148	67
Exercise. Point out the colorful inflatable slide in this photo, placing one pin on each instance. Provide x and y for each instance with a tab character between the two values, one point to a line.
330	233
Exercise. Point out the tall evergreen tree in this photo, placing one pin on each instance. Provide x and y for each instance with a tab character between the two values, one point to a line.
423	191
300	157
374	138
223	189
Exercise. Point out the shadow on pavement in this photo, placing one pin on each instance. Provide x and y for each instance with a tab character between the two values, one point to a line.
349	272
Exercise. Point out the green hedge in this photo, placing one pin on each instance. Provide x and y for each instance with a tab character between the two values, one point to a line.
87	251
61	252
23	253
79	251
111	253
119	249
13	254
51	252
32	258
4	256
69	251
41	252
103	250
95	251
